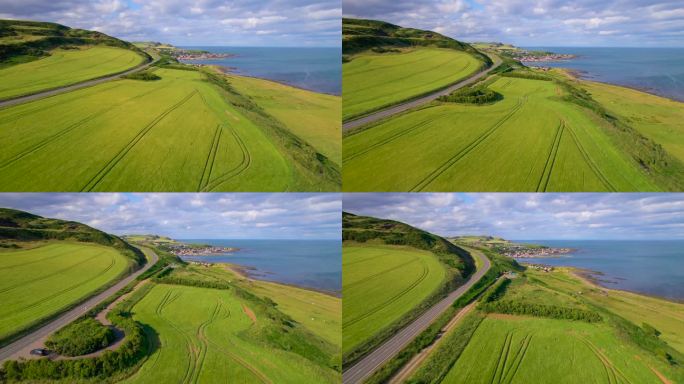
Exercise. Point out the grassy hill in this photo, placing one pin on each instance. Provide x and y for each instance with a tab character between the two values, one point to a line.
49	265
392	273
385	64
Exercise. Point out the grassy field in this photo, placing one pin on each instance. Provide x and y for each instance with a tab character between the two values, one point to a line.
655	117
382	283
318	312
530	141
508	348
372	81
312	116
174	134
39	282
205	335
65	67
514	349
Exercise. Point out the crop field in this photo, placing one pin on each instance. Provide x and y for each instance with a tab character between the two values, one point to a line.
382	283
657	118
529	141
39	282
65	67
666	316
514	349
373	81
174	134
314	117
203	336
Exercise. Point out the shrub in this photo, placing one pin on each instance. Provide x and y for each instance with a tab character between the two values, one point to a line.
144	76
81	337
472	95
525	74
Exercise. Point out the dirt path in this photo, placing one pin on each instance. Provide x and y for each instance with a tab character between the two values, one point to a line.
73	87
249	313
405	106
22	347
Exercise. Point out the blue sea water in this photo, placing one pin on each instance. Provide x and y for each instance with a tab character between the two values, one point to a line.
309	263
316	69
655	70
650	267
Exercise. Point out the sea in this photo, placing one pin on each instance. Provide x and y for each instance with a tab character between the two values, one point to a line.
317	69
650	267
654	70
315	264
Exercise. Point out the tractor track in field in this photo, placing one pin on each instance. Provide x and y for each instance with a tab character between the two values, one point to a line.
503	355
370	277
392	299
427	180
245	163
51	257
136	139
387	140
592	165
551	159
614	375
517	360
211	157
72	127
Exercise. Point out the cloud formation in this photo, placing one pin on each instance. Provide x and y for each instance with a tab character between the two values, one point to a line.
531	216
194	22
634	23
187	216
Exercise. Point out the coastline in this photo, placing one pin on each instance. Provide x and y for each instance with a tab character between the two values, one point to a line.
587	277
242	271
575	74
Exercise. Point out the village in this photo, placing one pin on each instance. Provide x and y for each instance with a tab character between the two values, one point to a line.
522	252
533	58
182	54
192	250
540	267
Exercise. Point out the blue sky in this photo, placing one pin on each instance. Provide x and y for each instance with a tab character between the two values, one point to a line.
194	22
188	215
531	216
633	23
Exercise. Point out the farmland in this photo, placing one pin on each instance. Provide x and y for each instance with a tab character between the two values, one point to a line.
314	117
532	140
130	135
381	284
206	333
372	81
65	67
38	282
625	344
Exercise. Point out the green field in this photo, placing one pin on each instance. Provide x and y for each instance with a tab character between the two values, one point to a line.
314	117
655	117
39	282
174	134
532	140
513	349
380	285
65	67
205	336
372	81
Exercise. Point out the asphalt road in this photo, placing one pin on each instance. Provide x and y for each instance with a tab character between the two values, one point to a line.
365	367
35	339
73	87
393	110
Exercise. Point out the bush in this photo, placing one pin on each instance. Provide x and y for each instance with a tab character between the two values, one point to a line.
540	310
144	76
526	74
81	337
472	95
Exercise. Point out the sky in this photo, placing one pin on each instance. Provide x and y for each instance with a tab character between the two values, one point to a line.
530	216
193	216
624	23
194	22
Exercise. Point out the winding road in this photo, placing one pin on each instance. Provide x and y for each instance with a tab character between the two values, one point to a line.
36	339
365	367
398	108
73	87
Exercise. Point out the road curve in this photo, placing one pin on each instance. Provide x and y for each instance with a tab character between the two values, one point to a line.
398	108
35	339
72	87
365	367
